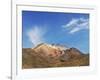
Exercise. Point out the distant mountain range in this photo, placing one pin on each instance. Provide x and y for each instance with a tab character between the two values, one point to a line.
53	55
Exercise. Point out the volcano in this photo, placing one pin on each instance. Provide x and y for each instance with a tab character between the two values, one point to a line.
53	55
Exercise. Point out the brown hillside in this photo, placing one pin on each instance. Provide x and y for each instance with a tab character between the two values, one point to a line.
45	56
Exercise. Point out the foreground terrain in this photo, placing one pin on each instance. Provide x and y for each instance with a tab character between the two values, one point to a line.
45	56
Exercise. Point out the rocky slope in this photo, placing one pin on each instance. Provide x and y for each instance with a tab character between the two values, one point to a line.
46	55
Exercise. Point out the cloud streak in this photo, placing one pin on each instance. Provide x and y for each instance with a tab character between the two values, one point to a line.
76	25
36	35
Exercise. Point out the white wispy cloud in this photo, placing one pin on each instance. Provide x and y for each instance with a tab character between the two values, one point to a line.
76	25
36	35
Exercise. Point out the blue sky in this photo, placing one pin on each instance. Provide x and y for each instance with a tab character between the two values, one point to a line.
70	29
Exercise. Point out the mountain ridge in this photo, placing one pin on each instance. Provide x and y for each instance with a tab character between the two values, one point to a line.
47	55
